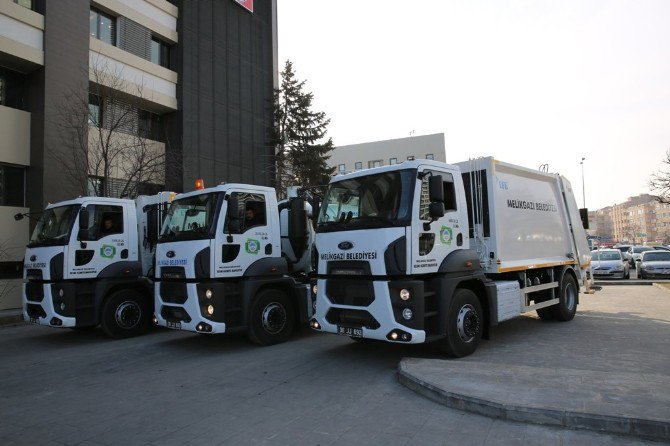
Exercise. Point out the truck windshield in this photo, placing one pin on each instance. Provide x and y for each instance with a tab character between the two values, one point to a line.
371	201
54	226
190	218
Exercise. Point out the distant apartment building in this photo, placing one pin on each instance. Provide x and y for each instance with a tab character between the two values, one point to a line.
640	219
355	157
192	80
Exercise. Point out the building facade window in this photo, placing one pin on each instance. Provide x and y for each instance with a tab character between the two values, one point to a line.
94	110
341	168
102	26
430	156
148	125
30	4
358	165
160	52
374	163
12	185
12	89
393	161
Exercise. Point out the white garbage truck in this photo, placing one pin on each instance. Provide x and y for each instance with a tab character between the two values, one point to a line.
231	258
425	251
89	262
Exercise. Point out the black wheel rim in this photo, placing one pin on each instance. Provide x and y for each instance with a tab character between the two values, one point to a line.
128	315
570	295
273	318
467	323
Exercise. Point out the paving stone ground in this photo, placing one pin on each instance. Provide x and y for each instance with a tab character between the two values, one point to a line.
66	387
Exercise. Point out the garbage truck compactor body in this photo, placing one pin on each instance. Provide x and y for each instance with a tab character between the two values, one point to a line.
89	262
425	251
231	258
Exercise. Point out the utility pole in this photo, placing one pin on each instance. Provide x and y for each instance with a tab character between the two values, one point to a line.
583	190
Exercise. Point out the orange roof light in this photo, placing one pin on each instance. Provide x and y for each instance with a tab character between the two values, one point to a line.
199	184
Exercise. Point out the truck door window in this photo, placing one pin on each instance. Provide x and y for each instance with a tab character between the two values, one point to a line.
251	211
104	220
449	195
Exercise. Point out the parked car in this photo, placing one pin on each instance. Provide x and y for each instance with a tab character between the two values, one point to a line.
635	252
624	250
654	264
662	248
609	264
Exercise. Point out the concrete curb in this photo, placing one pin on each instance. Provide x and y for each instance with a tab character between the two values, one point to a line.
644	428
661	287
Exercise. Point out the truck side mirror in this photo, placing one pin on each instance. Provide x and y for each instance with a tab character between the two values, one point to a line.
82	234
435	190
436	210
232	217
316	207
297	226
584	215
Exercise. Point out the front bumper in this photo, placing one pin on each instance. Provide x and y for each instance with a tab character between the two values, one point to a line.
183	307
609	275
41	303
655	274
378	318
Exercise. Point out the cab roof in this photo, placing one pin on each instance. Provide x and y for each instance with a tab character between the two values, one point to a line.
415	164
91	200
225	188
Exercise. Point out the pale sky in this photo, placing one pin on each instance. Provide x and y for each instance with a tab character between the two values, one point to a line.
528	82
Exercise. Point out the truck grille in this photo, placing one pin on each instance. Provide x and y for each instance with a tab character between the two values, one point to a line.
173	292
35	310
175	314
173	272
34	291
352	318
357	293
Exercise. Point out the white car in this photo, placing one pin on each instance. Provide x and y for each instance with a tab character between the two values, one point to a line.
654	264
609	264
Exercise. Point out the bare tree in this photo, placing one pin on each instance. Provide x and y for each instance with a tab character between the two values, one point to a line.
660	181
105	146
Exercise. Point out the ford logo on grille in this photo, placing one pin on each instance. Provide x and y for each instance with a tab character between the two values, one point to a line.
345	245
170	254
33	258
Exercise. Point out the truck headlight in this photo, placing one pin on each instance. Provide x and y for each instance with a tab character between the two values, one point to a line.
210	310
314	289
404	294
407	314
208	294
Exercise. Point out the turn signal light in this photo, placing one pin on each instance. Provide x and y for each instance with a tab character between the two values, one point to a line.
199	184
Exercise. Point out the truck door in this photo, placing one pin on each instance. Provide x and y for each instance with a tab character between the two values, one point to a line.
244	241
103	243
432	243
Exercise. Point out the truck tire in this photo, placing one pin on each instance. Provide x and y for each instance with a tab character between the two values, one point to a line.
567	300
465	324
271	318
125	313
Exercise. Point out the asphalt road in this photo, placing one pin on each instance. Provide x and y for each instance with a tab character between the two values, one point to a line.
65	387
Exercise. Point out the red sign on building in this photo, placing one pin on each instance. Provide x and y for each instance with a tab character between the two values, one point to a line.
247	4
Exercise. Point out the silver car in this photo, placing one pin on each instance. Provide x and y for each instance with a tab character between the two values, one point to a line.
635	252
654	264
609	264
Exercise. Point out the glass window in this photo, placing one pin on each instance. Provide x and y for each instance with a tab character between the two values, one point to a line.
12	184
2	89
251	211
341	167
191	218
102	26
393	161
103	220
25	3
54	225
94	110
375	163
381	200
160	52
448	190
430	156
358	165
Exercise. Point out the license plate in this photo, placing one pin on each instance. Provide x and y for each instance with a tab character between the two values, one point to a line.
33	320
174	325
350	331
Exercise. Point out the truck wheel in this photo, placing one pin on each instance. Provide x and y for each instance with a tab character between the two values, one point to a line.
465	323
271	318
125	313
566	307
